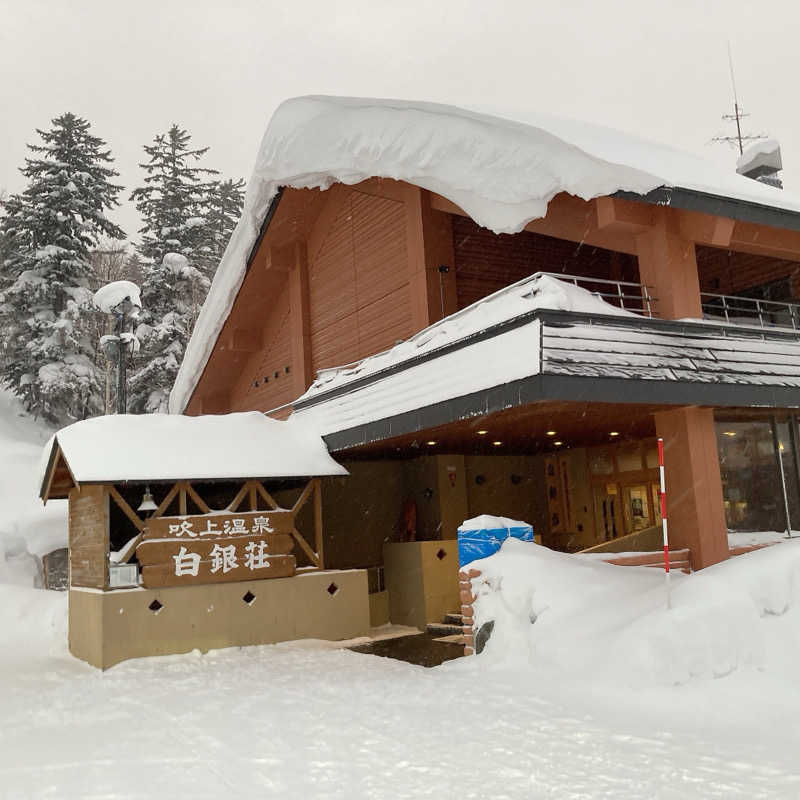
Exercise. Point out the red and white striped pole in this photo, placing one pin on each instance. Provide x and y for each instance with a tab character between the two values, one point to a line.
664	516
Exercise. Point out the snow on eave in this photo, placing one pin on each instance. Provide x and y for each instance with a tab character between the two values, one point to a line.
165	448
502	172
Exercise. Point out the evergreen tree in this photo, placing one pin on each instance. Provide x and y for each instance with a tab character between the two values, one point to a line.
45	295
223	207
172	200
188	219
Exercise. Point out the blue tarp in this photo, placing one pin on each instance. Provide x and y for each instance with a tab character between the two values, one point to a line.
483	536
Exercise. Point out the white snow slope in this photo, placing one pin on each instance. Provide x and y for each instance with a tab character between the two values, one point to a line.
28	530
573	706
502	172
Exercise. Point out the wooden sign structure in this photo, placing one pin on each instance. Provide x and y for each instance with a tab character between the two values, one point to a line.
217	546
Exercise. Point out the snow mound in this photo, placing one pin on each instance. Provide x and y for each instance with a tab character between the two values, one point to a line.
529	294
560	613
108	297
502	172
27	530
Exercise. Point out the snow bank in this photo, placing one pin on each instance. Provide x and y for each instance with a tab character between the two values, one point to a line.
502	172
536	291
27	529
108	297
766	151
564	614
142	447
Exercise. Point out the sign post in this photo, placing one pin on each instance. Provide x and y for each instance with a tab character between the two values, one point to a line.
663	493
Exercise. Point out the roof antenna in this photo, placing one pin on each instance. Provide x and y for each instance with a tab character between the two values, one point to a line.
737	116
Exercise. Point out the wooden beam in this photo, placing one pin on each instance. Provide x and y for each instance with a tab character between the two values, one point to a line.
126	509
198	501
280	259
309	487
300	321
267	496
165	503
306	547
706	229
253	494
762	240
240	495
125	554
616	215
318	540
182	509
244	340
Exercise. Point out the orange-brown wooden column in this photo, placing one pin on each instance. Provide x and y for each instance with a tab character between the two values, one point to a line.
429	241
300	320
695	508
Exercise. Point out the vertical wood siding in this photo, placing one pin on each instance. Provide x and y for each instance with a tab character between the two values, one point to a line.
264	383
358	282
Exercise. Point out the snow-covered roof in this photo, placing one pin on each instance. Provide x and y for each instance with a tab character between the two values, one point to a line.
168	447
766	152
502	171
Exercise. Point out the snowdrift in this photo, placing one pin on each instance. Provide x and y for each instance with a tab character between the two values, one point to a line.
576	618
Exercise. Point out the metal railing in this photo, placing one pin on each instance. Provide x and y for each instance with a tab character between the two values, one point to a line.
627	295
750	311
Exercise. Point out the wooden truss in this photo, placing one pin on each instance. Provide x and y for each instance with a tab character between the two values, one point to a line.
249	495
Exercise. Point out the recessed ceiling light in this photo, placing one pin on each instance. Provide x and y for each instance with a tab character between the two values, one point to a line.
551	433
614	433
730	433
557	443
482	433
431	443
497	444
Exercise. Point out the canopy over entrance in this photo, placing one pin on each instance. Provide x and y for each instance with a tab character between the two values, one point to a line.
172	447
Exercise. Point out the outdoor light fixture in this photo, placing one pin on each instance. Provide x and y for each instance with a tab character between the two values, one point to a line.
551	433
482	433
430	443
730	433
497	444
558	443
614	433
147	503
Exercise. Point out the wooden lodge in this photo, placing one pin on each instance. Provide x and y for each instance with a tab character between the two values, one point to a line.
456	370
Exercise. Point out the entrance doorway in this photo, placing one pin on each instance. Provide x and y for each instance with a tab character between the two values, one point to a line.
608	519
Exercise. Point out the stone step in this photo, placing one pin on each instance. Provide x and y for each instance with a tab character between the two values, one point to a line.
453	619
443	629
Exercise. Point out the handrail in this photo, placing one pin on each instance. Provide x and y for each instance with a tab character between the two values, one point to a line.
750	308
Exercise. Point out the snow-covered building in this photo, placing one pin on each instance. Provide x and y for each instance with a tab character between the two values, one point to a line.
495	315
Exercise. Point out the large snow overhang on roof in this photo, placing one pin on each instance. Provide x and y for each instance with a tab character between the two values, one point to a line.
542	339
502	172
167	447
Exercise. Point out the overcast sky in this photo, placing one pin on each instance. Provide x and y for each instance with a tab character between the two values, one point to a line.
657	68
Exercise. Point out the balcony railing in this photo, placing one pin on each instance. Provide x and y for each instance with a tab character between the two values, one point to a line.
730	309
627	295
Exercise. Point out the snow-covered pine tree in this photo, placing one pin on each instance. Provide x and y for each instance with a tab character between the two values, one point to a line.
172	199
223	207
45	297
175	247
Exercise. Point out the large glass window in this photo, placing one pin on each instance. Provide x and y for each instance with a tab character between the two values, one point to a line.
752	488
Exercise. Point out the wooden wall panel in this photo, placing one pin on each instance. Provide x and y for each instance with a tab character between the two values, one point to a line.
486	262
358	282
258	388
88	537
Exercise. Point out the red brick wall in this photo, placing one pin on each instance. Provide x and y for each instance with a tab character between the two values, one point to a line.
726	272
486	262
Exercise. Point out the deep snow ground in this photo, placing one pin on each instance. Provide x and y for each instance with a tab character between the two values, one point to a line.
313	720
310	720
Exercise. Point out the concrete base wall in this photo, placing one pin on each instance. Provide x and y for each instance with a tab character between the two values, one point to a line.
422	587
108	627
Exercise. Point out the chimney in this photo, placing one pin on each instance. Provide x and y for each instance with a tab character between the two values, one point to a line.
762	162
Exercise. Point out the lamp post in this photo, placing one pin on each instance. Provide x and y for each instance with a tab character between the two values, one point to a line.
122	300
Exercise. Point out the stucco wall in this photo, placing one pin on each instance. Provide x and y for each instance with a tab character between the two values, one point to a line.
108	627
